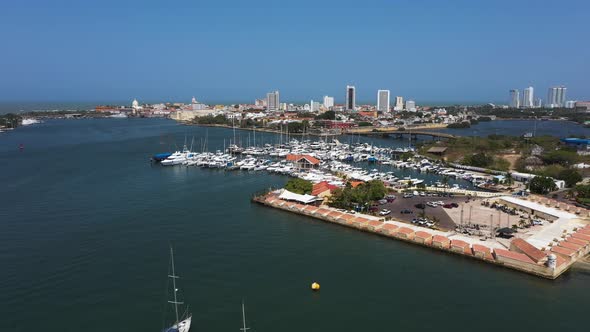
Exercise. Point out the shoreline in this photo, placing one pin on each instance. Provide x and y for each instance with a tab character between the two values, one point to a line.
427	238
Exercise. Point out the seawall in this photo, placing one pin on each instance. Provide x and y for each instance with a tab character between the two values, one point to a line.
518	257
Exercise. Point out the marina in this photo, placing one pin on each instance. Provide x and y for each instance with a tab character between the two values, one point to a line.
127	211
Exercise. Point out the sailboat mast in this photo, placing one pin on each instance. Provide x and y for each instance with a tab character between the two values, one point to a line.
244	318
173	276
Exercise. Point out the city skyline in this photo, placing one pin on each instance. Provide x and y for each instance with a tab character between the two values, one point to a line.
111	51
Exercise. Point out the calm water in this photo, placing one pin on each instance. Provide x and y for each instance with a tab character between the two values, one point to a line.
85	223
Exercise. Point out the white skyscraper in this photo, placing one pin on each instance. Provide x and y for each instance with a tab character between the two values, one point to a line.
410	106
383	100
528	97
556	96
514	98
328	102
350	98
272	101
399	103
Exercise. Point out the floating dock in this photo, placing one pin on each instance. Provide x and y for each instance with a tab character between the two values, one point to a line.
521	255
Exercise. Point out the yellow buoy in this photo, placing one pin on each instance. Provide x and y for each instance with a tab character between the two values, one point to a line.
315	286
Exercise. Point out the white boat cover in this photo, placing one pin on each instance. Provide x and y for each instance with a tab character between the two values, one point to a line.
290	196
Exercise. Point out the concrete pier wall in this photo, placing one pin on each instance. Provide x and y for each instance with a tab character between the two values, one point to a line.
513	259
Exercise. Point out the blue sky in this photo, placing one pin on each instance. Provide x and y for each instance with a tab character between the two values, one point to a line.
238	50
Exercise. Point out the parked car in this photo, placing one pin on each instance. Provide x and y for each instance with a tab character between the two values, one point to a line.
384	212
455	205
408	195
448	206
420	206
406	211
537	222
382	201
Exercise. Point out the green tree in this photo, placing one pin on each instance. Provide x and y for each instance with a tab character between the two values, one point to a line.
328	115
299	186
542	185
570	176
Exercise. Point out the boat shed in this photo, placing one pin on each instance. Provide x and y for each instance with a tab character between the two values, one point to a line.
304	199
303	161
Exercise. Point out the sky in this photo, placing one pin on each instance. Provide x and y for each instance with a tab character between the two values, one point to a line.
236	51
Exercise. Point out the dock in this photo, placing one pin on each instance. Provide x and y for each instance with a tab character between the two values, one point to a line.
520	255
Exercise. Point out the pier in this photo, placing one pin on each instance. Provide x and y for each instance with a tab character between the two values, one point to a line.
520	255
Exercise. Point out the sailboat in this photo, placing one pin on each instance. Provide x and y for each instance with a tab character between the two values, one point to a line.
244	329
182	323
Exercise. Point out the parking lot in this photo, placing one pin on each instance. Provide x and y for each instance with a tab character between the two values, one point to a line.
433	213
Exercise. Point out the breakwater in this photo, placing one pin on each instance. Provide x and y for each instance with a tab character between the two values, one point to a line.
520	256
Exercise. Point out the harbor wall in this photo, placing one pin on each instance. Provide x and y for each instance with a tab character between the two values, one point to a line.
427	238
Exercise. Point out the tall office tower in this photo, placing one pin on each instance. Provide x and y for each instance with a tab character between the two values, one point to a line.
383	100
328	102
411	106
350	98
272	101
556	96
528	97
514	98
399	103
539	103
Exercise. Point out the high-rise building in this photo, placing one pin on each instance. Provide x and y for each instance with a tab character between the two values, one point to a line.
411	106
556	96
539	103
328	102
399	103
350	98
514	98
272	101
383	100
528	97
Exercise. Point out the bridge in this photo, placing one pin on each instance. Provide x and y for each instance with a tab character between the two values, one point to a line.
400	133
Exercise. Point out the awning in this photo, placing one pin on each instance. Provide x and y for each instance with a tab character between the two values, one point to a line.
305	199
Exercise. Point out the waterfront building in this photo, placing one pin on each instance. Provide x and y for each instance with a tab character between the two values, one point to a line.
570	104
583	105
399	103
328	102
556	96
411	106
539	103
260	102
383	100
315	106
350	98
528	97
272	101
514	98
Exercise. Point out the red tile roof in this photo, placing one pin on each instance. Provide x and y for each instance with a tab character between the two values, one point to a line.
390	226
578	241
321	187
375	223
581	236
528	249
584	231
513	255
441	239
564	251
570	245
405	230
355	184
459	243
334	214
423	235
311	208
481	248
347	216
322	211
298	157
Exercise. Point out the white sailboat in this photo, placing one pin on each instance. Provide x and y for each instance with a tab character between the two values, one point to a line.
244	329
183	322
